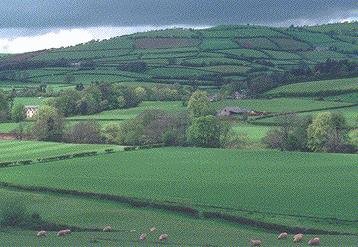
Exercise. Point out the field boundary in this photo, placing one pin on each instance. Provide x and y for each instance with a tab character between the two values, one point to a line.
286	113
175	208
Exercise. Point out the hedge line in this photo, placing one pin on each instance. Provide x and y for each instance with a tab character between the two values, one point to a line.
168	206
49	159
74	155
323	93
134	202
267	226
132	148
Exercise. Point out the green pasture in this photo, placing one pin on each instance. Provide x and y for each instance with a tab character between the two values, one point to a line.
349	113
288	187
316	87
87	213
23	150
279	104
123	114
254	132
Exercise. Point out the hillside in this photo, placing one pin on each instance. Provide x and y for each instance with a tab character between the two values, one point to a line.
186	56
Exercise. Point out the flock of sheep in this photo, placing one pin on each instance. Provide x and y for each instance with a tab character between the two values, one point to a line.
296	239
254	242
142	237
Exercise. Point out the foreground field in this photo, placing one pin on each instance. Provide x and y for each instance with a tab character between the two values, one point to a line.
295	189
22	150
182	230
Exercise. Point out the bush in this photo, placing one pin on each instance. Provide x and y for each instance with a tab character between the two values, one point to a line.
84	132
205	131
13	213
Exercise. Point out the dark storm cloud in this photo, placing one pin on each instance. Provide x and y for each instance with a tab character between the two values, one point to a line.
82	13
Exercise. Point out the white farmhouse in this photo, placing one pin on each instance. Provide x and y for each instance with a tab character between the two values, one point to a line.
30	111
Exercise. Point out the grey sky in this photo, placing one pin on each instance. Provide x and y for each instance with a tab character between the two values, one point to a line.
27	25
83	13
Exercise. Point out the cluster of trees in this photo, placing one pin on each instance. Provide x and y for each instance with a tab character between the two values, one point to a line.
96	98
4	106
197	126
325	132
136	66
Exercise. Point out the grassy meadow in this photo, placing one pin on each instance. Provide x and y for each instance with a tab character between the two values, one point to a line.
211	179
23	150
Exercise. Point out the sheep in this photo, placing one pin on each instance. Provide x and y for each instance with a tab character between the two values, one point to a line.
163	237
143	237
255	242
107	229
64	232
41	234
133	230
153	229
282	235
298	238
314	241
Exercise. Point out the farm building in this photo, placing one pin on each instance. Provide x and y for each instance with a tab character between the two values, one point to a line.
236	111
30	111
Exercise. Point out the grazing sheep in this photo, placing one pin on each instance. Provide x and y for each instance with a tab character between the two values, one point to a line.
42	234
314	241
143	237
255	242
64	232
132	230
163	237
153	229
298	238
107	229
282	235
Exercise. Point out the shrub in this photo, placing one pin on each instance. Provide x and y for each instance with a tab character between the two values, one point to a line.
84	132
13	213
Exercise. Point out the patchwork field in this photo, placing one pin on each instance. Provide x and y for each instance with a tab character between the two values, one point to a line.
349	113
200	178
182	230
280	104
164	50
123	114
312	88
23	150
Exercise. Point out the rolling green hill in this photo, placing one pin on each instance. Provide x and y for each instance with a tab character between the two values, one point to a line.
184	55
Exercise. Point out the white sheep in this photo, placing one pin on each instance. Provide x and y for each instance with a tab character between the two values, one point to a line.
314	241
64	232
282	235
107	229
163	237
153	229
143	237
41	234
255	242
298	238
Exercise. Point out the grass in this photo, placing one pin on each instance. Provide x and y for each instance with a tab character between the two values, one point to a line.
214	44
23	150
288	183
317	87
30	100
123	114
183	231
280	104
254	132
349	113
